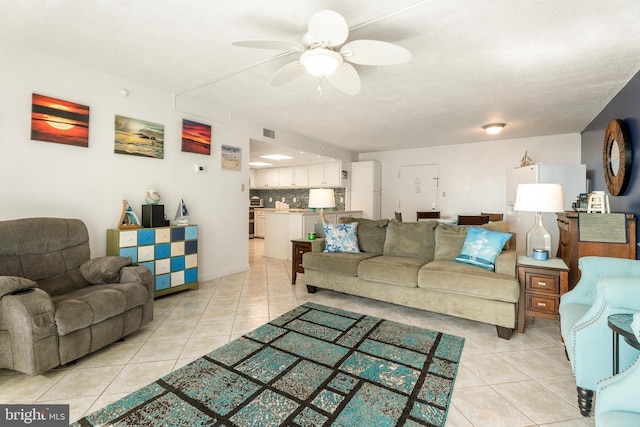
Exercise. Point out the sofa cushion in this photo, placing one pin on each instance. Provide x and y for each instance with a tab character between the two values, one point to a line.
93	304
482	247
339	263
450	238
454	277
341	237
401	271
449	241
371	233
411	239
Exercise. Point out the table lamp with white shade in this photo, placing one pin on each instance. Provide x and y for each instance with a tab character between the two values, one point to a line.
320	198
539	198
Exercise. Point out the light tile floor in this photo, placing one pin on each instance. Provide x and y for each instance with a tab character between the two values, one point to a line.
525	381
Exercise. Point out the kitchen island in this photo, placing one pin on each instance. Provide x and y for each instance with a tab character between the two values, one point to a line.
282	226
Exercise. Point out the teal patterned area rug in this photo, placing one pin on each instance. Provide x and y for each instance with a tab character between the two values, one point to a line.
313	366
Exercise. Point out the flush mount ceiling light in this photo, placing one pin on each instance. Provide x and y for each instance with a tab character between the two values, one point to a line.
493	128
276	157
260	164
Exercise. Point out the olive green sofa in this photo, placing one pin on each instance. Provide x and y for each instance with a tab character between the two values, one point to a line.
413	264
56	303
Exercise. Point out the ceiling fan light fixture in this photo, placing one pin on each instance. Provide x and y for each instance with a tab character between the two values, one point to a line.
493	128
321	62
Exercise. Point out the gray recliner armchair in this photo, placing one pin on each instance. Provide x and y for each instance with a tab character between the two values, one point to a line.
56	303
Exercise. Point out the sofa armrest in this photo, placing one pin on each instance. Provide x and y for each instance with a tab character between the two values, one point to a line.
619	392
506	262
588	342
104	270
28	317
14	284
138	274
318	245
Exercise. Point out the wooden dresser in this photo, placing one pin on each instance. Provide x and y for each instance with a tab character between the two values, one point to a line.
571	248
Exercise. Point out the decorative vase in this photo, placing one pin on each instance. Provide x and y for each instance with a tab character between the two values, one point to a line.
152	197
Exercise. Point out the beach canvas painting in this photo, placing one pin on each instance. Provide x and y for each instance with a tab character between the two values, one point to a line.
138	137
196	137
55	120
230	158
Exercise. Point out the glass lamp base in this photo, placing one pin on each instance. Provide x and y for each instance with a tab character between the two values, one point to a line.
538	237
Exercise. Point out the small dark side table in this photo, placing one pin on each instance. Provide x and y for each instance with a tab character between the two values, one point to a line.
621	325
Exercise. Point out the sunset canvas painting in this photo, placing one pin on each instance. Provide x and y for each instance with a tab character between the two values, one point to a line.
196	137
55	120
138	137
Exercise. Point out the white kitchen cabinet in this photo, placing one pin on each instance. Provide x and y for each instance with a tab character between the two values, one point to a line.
267	178
293	177
325	175
301	176
252	178
285	178
259	223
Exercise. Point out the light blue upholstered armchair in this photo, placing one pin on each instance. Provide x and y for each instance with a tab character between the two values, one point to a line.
607	286
617	404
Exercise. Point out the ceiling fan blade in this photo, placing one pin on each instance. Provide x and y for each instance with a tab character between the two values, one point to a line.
374	52
270	44
345	79
287	73
329	28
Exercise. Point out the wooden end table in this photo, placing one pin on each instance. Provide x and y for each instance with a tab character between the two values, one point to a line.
542	283
299	247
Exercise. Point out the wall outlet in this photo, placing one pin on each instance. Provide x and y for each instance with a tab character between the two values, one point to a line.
283	200
294	200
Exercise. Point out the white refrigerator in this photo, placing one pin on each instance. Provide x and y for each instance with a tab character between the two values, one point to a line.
574	181
365	188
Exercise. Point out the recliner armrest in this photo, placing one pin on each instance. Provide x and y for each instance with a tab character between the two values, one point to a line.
104	270
29	319
15	284
138	274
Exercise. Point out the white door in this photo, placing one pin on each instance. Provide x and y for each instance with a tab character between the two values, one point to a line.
417	190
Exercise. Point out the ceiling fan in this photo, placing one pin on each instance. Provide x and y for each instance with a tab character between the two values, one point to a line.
324	57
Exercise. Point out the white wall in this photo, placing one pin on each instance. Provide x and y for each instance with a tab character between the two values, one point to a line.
48	179
473	176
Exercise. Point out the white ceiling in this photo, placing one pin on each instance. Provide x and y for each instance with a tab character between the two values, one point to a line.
541	66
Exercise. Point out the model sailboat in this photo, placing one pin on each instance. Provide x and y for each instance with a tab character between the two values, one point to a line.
182	214
128	218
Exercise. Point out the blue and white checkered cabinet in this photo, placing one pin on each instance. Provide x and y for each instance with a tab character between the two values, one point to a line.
170	253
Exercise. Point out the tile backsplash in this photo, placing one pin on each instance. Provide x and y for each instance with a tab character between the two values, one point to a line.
301	195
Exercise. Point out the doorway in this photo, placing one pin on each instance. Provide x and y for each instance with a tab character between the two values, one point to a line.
417	190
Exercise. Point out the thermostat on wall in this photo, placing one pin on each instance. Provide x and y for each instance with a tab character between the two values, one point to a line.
200	168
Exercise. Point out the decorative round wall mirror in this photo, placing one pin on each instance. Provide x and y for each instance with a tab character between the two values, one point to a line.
617	157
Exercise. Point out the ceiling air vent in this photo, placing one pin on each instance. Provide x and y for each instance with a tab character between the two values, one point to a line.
268	133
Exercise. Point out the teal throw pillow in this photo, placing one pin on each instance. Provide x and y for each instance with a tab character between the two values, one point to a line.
341	237
482	247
